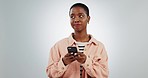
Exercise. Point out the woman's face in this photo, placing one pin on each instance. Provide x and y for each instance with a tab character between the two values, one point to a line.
78	19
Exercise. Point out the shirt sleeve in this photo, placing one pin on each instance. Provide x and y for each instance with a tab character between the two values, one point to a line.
97	66
56	67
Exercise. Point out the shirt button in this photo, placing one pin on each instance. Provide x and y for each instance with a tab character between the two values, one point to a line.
87	64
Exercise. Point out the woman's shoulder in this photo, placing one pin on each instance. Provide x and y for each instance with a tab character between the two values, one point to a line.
98	42
94	40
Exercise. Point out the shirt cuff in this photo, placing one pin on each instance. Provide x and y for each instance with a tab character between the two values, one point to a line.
61	66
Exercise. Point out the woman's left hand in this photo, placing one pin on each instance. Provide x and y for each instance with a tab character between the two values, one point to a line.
80	57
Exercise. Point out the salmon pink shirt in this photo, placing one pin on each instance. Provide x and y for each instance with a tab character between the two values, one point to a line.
95	66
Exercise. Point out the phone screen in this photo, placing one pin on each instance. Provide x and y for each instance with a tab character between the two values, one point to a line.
72	50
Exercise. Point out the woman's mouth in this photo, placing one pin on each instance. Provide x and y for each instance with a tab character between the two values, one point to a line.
77	25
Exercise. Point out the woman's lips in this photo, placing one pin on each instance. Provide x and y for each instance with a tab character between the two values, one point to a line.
77	25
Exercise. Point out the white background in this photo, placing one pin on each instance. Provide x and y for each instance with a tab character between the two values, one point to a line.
29	28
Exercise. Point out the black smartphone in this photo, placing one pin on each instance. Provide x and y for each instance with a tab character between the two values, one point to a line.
72	50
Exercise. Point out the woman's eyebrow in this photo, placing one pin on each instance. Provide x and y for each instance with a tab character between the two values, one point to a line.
72	14
77	14
81	13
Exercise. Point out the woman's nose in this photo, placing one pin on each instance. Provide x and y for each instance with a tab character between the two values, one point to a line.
76	20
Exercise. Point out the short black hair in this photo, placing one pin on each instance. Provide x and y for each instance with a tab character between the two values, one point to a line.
82	6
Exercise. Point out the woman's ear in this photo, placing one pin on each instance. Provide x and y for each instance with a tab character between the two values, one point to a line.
88	19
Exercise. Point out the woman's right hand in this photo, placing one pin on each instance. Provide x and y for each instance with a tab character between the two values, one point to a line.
68	58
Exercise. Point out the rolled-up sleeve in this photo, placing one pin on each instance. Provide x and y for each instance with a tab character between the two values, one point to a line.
56	67
97	66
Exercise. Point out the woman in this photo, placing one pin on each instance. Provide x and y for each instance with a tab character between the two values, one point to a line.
91	60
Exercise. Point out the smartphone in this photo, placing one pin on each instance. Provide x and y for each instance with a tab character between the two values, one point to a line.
72	50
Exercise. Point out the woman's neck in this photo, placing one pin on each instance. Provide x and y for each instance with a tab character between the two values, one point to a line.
81	36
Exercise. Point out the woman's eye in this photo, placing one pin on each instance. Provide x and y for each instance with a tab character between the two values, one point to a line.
81	16
72	17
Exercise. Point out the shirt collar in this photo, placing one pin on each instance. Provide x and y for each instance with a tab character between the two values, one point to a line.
73	41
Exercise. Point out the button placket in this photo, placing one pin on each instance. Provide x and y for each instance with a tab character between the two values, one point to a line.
86	49
62	68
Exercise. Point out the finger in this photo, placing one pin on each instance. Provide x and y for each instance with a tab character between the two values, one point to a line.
67	55
75	54
77	57
71	57
80	53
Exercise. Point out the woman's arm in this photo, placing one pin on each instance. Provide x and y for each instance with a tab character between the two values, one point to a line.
56	67
97	65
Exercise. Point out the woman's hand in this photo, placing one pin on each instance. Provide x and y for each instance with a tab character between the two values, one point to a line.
68	58
80	57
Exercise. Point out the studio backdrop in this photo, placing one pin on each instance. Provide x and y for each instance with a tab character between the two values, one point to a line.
29	28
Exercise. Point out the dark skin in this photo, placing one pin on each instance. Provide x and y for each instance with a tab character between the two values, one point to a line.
79	20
